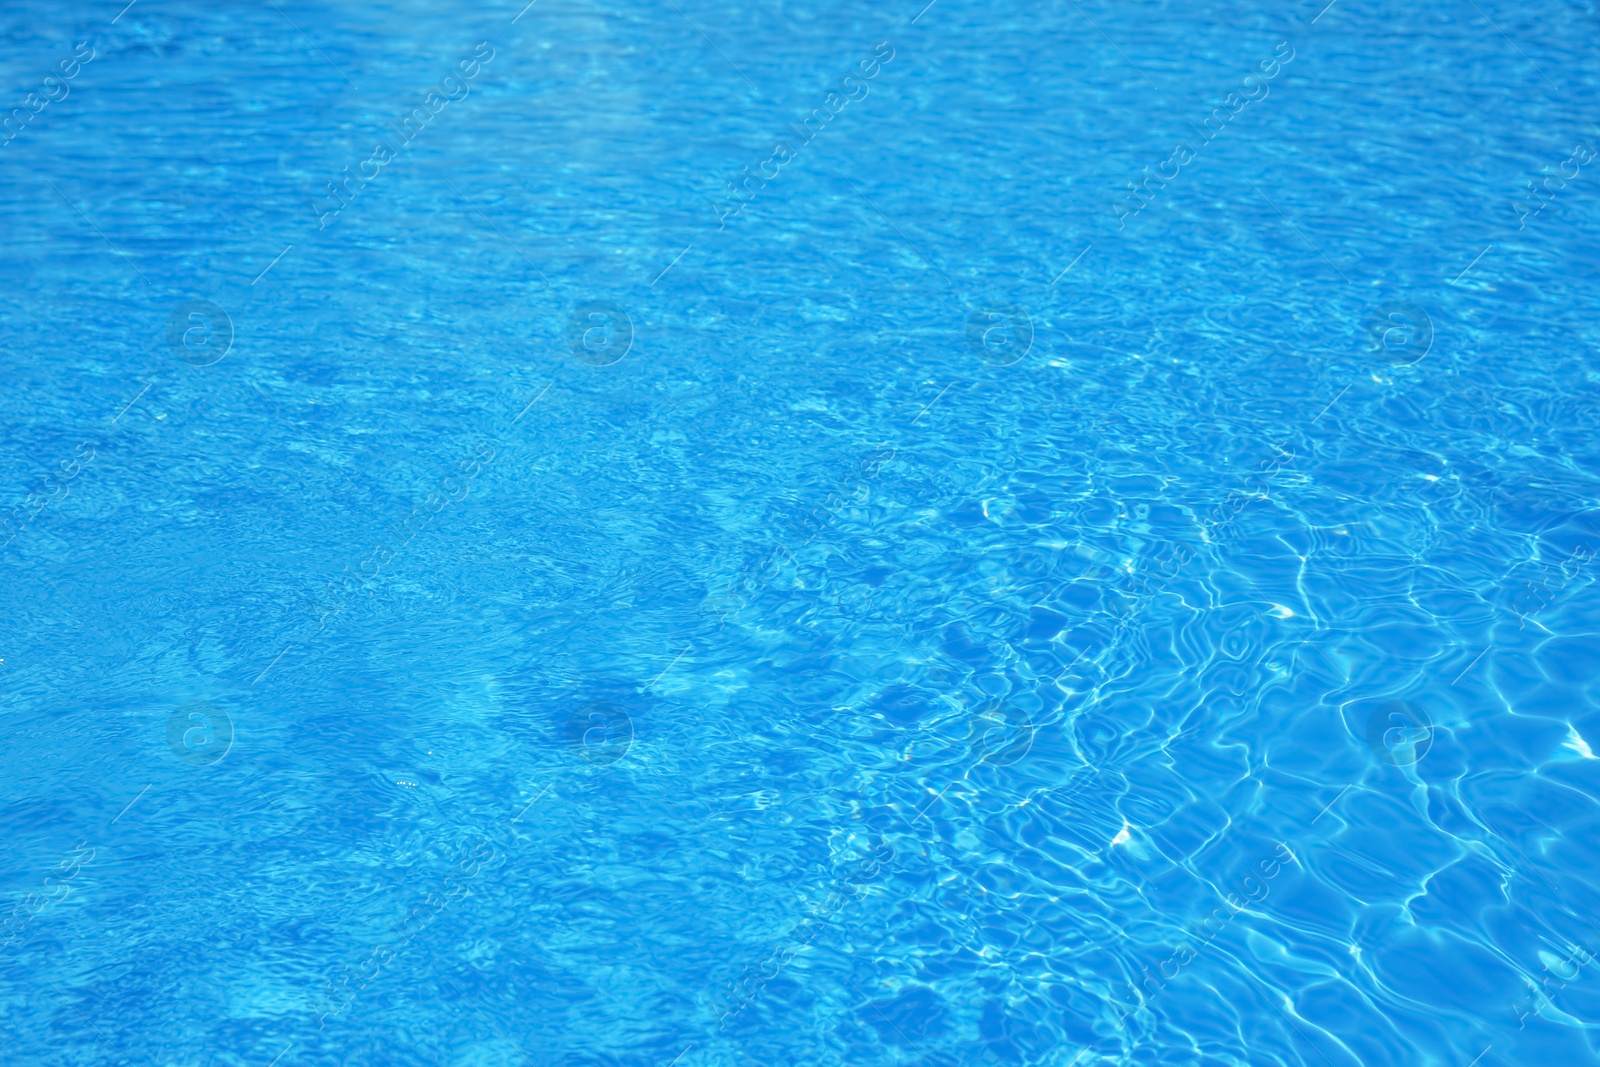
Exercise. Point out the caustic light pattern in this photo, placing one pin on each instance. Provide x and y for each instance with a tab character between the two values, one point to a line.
605	533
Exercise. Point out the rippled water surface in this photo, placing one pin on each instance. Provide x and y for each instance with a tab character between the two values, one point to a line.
692	533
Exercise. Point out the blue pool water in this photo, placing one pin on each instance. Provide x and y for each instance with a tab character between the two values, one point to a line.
679	533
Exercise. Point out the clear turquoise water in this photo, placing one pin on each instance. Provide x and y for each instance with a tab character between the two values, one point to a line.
944	606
